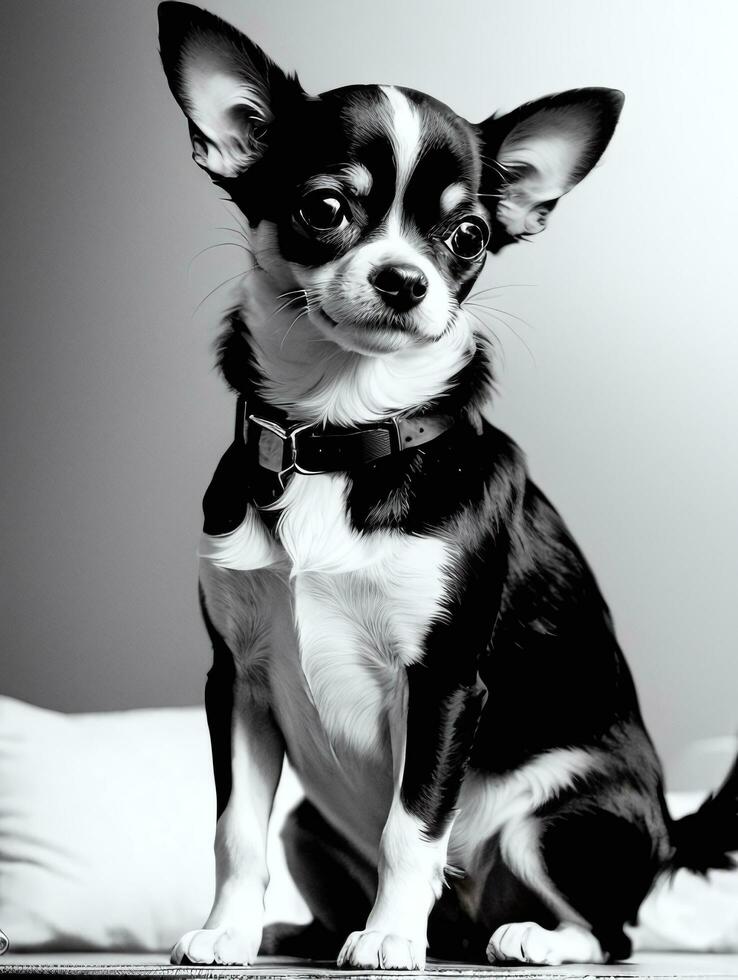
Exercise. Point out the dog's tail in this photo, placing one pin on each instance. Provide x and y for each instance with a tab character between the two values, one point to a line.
705	838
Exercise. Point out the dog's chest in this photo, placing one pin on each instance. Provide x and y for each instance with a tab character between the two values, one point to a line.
363	605
357	605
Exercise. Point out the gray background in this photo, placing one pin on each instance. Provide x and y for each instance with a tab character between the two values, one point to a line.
620	384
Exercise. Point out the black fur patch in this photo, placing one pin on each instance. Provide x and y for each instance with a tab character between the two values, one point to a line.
441	722
558	670
603	864
219	710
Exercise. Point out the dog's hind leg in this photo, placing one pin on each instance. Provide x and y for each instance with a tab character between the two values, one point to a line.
597	863
247	760
337	884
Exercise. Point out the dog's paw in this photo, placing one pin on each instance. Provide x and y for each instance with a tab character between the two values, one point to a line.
527	942
381	951
224	945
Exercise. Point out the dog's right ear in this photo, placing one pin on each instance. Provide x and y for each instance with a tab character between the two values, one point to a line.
227	87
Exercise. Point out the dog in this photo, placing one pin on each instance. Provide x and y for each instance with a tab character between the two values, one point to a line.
391	601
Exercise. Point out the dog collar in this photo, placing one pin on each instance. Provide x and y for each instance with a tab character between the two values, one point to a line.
309	448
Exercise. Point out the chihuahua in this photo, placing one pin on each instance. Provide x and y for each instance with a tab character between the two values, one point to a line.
392	603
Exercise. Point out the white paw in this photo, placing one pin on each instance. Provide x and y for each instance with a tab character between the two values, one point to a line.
381	951
224	945
527	942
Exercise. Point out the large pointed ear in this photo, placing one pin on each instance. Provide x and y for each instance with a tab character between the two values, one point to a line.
537	153
227	87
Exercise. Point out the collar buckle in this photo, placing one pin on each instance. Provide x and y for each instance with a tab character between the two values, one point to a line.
289	447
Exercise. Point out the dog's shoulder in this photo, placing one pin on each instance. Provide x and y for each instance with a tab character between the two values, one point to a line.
468	472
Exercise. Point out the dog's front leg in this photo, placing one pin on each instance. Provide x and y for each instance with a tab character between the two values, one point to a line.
432	727
247	760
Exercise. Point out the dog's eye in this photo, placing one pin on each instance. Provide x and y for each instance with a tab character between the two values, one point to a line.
323	211
469	238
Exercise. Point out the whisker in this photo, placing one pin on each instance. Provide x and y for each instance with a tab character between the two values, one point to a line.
510	328
234	214
233	231
287	332
225	282
515	316
209	248
506	285
495	168
486	327
495	164
288	303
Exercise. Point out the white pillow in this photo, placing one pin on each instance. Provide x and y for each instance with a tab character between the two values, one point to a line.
690	912
106	829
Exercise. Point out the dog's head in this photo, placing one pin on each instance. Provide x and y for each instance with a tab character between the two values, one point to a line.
378	203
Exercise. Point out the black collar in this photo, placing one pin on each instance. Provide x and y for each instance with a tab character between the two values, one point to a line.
285	447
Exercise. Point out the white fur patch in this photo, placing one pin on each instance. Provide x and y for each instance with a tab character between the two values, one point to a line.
452	196
318	380
314	529
359	177
249	547
404	135
487	803
363	603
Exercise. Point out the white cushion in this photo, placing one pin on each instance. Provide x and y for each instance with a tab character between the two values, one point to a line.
106	829
689	912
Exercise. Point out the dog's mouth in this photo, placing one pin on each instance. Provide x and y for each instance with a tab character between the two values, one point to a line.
367	336
331	321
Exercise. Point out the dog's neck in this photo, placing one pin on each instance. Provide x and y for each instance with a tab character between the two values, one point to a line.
313	379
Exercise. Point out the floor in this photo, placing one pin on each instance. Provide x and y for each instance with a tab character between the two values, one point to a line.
654	965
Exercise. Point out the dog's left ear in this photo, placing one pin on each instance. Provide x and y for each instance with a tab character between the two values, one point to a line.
537	153
227	87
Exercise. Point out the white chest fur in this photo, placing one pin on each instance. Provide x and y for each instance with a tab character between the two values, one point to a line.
361	603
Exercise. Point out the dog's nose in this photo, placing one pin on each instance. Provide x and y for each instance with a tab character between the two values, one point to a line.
401	286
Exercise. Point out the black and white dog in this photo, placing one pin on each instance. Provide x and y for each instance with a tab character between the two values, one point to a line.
391	601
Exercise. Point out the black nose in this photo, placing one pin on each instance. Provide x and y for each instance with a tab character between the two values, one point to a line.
401	286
